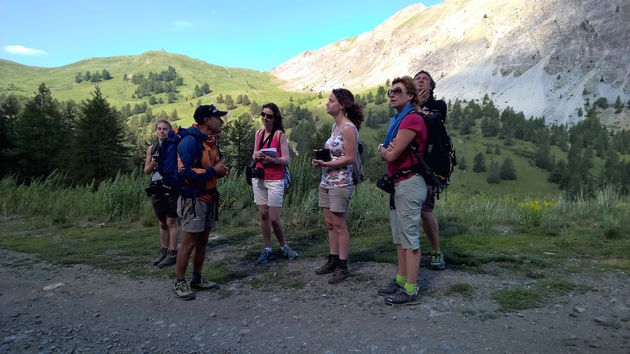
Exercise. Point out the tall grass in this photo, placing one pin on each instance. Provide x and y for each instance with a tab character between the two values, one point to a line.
123	199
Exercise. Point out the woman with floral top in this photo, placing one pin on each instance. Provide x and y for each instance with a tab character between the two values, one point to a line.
335	189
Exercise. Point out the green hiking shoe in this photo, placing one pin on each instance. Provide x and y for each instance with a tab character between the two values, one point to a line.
204	285
182	291
437	261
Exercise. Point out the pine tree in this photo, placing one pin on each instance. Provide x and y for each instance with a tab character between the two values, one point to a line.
246	101
40	135
173	117
507	170
96	77
254	110
78	78
100	137
493	173
618	105
9	111
229	102
237	144
380	95
479	163
461	164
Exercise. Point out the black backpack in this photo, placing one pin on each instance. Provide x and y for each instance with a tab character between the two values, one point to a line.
439	153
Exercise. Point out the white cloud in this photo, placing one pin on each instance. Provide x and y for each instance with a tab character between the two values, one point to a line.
22	50
182	25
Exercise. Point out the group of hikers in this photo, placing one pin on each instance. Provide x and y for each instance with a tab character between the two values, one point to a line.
185	165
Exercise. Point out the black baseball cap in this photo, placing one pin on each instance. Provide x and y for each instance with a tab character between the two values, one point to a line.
205	110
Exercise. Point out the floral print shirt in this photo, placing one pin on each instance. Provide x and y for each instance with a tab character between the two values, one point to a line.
339	176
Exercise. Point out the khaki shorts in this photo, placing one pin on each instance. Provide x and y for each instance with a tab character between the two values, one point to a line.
196	215
336	199
268	192
405	219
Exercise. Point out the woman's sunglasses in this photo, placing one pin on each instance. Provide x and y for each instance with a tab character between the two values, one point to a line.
266	115
396	91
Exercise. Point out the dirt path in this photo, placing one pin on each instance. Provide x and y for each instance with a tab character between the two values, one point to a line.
50	308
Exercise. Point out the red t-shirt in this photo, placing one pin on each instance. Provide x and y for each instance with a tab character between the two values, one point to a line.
408	158
273	171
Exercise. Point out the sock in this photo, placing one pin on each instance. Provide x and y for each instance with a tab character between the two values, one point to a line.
268	249
400	279
343	263
180	280
410	288
196	277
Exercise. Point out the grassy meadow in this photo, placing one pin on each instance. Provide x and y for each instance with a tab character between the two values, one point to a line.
88	224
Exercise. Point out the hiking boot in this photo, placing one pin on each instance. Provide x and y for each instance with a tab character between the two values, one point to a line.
437	261
402	297
289	252
390	288
264	257
340	274
204	285
169	260
329	267
161	257
182	291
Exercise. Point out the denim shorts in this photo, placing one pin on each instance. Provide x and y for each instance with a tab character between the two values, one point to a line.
405	219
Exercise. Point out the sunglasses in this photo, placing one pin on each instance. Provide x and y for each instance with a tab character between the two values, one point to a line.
396	91
266	115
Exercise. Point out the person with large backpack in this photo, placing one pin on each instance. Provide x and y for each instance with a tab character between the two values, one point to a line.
163	191
199	166
407	188
435	110
271	157
339	174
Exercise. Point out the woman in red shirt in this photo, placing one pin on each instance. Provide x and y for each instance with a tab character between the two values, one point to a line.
406	132
271	149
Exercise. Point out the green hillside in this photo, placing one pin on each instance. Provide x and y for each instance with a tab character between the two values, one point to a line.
259	86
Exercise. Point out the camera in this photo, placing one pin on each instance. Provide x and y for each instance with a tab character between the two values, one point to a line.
385	184
322	154
253	172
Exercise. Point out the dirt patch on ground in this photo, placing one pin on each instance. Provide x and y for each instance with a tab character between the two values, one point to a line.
285	307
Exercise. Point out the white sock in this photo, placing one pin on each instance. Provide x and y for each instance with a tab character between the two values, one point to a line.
268	249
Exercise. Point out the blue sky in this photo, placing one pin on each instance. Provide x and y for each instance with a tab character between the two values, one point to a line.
250	34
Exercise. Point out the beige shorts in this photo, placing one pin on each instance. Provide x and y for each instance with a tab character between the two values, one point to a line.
268	193
196	215
336	199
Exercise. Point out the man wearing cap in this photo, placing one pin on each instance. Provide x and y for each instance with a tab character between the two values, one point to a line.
199	165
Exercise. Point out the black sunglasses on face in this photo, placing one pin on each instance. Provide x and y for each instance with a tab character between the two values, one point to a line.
266	115
396	91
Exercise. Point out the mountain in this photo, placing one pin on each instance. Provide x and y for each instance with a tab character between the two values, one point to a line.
543	57
23	80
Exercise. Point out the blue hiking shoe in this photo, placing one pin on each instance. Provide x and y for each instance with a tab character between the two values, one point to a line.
264	257
289	252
